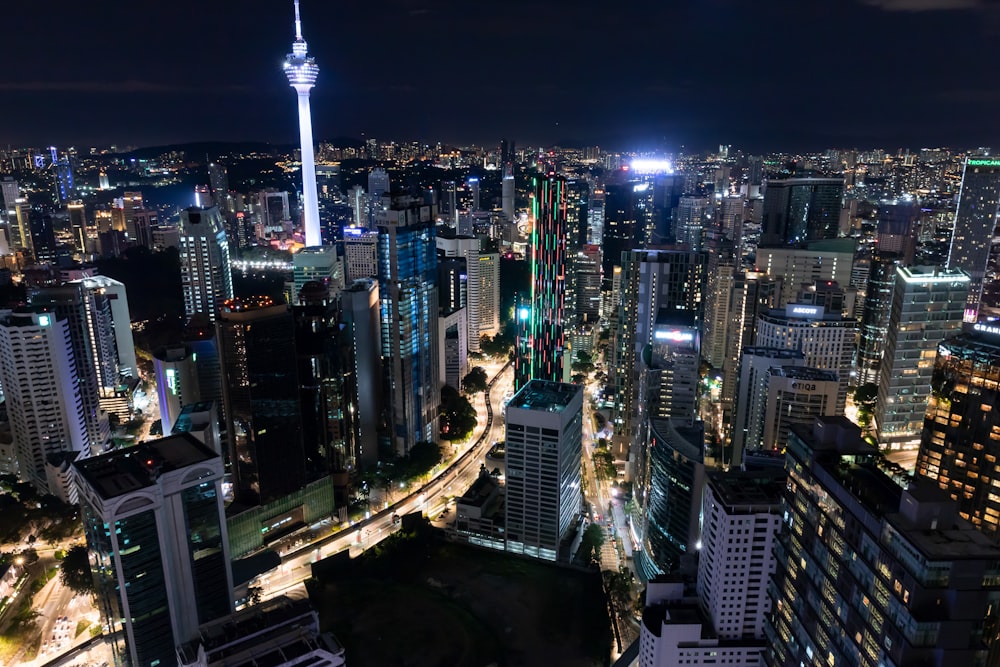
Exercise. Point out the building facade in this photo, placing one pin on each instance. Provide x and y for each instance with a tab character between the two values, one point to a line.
205	274
159	549
544	448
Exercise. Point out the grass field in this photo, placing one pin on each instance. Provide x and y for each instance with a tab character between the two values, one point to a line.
417	601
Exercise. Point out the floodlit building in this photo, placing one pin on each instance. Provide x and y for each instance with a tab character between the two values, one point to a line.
544	447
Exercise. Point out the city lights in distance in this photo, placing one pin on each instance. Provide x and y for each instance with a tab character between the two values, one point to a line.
652	166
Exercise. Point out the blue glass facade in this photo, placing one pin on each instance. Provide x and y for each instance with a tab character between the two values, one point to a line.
408	265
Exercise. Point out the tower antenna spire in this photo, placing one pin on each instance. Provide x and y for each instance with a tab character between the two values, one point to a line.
298	22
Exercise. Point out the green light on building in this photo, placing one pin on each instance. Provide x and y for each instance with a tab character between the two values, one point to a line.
984	162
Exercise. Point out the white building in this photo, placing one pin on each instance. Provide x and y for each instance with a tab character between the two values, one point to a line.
544	444
467	247
826	340
360	254
675	631
751	396
742	520
453	343
205	274
157	536
176	381
44	405
489	294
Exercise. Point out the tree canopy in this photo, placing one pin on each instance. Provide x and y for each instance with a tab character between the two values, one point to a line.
75	571
476	381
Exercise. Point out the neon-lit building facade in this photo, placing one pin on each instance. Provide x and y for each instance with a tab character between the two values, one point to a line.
975	221
541	328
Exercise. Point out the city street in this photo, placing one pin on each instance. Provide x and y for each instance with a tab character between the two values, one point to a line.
430	499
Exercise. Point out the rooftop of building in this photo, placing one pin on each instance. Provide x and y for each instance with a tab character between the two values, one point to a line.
982	340
751	490
805	373
931	274
126	470
545	396
477	495
194	416
247	304
315	251
773	352
275	632
686	440
360	285
925	516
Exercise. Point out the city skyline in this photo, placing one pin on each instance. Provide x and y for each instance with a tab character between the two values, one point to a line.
229	86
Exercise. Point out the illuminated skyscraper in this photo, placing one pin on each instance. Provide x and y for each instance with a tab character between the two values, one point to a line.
302	70
927	305
205	275
43	402
544	334
975	222
959	443
407	275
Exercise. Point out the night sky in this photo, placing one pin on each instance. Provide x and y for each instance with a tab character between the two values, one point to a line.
759	74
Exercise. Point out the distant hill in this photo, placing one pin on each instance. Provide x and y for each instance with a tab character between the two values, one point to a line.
199	149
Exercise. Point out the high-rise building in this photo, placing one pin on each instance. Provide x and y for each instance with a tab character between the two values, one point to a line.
830	260
467	248
316	264
43	402
408	288
326	378
675	630
959	444
826	339
218	179
587	267
742	519
927	307
473	185
62	169
176	382
658	287
78	225
360	254
720	280
378	184
752	394
489	294
875	315
801	209
261	394
544	446
544	340
869	571
206	278
302	70
691	220
507	193
358	201
669	489
360	306
159	549
975	224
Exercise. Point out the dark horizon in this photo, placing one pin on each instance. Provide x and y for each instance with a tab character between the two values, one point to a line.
781	76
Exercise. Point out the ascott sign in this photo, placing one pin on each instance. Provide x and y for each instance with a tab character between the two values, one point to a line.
804	311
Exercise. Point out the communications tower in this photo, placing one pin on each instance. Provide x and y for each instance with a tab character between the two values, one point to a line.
302	70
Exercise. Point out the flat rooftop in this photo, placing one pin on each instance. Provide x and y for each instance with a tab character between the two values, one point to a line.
126	470
545	396
752	489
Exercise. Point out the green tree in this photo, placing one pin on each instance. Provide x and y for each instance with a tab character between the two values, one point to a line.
458	417
591	543
74	571
604	464
476	381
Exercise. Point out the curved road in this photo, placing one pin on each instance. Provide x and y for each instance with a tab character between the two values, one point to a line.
296	565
